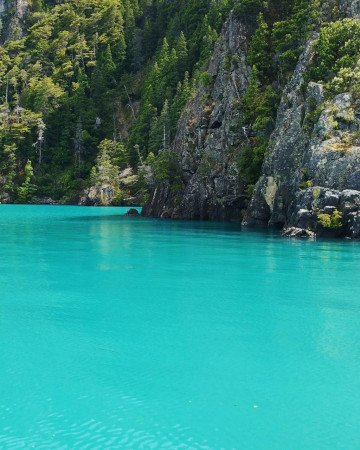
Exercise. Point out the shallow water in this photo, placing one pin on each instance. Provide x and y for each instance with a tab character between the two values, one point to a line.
133	333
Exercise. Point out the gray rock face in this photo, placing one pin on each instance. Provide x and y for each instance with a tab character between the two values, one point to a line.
312	162
12	13
207	141
326	156
281	175
97	196
313	203
350	8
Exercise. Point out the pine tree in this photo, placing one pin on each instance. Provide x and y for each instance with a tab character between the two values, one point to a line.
105	172
159	136
183	93
182	55
259	48
107	66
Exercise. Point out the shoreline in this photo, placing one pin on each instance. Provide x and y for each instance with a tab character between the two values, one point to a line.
290	233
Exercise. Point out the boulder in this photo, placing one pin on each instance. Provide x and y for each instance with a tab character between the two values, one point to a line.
132	213
45	201
302	233
97	196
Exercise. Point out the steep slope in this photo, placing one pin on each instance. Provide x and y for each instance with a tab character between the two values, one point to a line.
310	178
311	175
208	184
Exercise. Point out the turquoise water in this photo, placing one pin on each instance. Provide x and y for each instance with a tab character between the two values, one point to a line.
130	333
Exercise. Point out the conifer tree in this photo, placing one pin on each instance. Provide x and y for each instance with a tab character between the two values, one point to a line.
182	55
259	48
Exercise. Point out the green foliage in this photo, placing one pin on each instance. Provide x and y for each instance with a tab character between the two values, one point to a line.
165	169
9	169
27	189
42	95
111	157
190	30
337	54
290	34
164	166
281	29
346	80
313	115
259	48
93	85
59	88
258	108
206	79
330	221
249	9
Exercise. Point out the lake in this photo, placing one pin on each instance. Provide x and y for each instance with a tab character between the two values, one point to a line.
133	333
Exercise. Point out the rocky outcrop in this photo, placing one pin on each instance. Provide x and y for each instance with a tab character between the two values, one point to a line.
282	174
207	141
132	213
298	233
44	201
12	13
310	180
328	211
349	8
311	169
116	193
97	196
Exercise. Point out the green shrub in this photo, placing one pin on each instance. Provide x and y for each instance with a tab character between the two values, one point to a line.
331	222
324	220
206	79
337	48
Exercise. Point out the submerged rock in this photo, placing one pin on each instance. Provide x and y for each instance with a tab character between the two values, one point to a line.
294	232
45	201
132	213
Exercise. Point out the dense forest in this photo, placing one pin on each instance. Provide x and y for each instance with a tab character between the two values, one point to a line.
91	89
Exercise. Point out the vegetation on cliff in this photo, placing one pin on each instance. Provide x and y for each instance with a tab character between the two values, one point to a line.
90	87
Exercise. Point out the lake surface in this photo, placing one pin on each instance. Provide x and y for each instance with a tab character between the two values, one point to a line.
131	333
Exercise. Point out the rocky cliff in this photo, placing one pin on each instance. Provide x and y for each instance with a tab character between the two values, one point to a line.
207	140
311	175
12	13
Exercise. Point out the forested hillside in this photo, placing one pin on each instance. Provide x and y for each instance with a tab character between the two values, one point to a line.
89	87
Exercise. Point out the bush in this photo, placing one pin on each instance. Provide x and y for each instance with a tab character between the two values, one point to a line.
337	48
206	79
332	222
